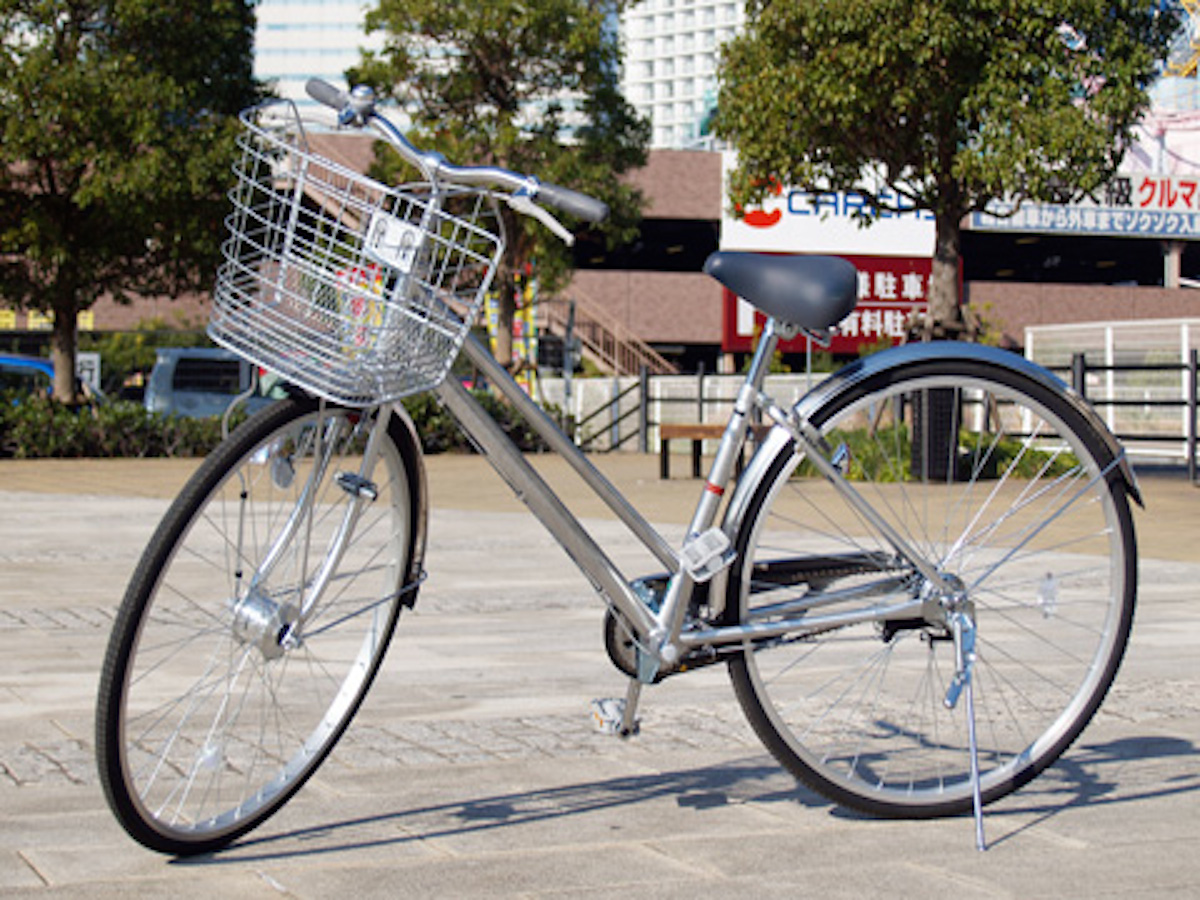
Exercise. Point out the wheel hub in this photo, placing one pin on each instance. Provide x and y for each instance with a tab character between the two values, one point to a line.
263	623
939	604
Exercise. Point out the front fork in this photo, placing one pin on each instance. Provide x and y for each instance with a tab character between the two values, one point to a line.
260	619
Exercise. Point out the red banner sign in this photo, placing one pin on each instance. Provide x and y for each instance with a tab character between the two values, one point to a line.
890	289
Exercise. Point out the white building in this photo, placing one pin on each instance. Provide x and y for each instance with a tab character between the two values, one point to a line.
300	39
671	53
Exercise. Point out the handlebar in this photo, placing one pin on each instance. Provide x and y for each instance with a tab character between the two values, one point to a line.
358	107
326	93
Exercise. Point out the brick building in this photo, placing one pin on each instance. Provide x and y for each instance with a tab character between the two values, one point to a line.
655	289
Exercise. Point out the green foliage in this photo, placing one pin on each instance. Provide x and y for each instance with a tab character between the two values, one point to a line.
983	454
529	85
949	103
118	127
823	360
440	432
884	455
874	454
34	427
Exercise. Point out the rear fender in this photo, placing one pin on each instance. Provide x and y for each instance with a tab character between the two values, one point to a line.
778	439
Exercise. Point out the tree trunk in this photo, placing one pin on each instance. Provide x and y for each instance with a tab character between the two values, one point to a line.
936	412
62	349
506	309
506	283
944	319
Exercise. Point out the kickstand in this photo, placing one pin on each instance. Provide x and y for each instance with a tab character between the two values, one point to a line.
976	793
629	719
964	658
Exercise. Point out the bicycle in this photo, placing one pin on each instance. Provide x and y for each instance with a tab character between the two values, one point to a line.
859	580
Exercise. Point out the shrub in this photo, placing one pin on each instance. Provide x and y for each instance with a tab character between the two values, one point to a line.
33	427
885	455
440	433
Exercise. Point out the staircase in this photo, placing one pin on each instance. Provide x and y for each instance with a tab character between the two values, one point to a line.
612	347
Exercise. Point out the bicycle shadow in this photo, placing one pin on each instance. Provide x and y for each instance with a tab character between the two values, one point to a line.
758	780
1086	776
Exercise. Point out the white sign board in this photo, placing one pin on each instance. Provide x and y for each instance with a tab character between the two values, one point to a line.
796	221
1131	205
87	369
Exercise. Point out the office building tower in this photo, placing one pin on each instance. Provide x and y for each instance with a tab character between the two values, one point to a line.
671	53
300	39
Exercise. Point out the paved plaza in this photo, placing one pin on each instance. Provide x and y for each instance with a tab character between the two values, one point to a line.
473	769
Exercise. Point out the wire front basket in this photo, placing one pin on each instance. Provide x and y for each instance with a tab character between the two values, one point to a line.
357	292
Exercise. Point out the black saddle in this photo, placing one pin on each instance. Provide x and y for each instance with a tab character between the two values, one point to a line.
812	292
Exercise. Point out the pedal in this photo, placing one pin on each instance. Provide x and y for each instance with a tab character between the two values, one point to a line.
706	554
608	715
357	486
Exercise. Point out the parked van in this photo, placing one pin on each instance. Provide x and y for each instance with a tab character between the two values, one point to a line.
199	381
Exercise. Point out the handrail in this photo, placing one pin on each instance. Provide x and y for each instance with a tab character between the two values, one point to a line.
612	346
610	414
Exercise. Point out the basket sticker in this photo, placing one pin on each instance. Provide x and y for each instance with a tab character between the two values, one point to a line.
393	242
361	308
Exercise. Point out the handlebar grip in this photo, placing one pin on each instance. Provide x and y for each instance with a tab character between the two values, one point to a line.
326	93
573	202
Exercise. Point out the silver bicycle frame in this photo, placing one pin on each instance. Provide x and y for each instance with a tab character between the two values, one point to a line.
658	633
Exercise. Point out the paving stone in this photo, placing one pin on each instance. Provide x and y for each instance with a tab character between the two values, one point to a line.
472	770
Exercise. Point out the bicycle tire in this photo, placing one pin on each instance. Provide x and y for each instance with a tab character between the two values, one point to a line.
208	718
1024	522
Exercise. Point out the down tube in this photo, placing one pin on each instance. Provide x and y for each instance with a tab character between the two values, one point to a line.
498	376
545	504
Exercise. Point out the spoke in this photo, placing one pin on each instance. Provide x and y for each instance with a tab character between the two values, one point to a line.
1001	483
1034	529
217	719
1023	541
184	788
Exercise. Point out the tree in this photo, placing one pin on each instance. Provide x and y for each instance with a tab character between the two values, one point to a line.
951	104
117	141
528	85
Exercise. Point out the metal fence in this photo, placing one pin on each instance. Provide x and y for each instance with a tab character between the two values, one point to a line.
624	413
1140	376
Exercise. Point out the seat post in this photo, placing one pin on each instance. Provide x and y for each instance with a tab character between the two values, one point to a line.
734	437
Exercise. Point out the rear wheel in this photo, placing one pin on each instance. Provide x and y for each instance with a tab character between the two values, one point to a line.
1020	505
216	702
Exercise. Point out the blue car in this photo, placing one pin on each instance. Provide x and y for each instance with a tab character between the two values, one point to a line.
26	374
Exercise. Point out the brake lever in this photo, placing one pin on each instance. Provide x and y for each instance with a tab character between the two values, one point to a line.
524	204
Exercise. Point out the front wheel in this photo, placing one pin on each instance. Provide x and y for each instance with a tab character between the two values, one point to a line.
1005	487
218	696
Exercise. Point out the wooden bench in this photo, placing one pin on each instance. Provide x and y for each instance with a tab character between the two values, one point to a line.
697	433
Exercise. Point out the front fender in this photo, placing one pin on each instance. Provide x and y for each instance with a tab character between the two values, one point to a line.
419	484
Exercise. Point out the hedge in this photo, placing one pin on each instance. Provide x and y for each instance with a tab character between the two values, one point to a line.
38	427
34	427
